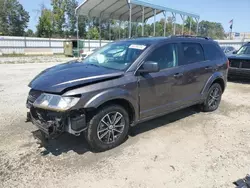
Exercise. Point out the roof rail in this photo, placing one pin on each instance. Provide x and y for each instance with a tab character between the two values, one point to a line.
192	36
144	36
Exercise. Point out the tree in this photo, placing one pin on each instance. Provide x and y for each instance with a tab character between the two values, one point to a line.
82	26
13	18
93	33
58	9
29	33
45	25
187	23
211	29
71	18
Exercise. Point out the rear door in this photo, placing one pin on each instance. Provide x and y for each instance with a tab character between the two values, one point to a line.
193	65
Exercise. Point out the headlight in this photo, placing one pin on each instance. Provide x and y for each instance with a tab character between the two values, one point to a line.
55	102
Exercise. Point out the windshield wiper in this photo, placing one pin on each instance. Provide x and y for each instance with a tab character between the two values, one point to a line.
101	66
93	65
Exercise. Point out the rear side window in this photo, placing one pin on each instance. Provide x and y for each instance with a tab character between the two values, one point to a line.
212	52
192	52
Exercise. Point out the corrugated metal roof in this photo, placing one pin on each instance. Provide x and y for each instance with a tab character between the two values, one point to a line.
119	9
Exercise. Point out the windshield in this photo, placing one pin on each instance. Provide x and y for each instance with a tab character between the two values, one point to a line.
117	56
244	50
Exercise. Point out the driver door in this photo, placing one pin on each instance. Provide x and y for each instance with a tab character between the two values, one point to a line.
155	88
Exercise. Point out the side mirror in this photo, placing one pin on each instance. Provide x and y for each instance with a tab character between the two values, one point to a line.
148	67
234	52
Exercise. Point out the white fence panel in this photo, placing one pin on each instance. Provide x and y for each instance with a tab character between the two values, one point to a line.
57	44
57	50
235	43
37	44
10	45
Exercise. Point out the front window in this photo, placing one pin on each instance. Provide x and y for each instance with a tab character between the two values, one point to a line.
244	50
117	56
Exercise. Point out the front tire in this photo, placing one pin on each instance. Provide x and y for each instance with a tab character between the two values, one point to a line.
213	99
108	128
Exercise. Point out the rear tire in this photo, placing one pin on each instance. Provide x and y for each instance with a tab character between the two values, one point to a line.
213	98
108	128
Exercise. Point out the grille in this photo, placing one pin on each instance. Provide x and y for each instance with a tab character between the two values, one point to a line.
245	65
234	63
237	63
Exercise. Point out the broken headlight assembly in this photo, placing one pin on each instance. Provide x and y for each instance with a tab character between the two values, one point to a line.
55	102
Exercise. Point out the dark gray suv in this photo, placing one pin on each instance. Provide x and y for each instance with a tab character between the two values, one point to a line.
125	83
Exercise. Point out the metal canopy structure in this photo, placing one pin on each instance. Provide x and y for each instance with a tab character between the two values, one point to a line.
129	10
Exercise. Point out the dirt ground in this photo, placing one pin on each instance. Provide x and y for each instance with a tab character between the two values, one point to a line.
184	149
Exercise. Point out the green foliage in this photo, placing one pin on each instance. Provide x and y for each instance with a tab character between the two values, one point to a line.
93	33
29	33
211	29
82	21
187	23
45	25
71	18
13	18
61	20
58	9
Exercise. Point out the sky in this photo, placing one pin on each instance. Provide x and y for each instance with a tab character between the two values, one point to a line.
221	11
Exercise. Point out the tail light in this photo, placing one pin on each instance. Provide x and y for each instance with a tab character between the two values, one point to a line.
228	63
81	51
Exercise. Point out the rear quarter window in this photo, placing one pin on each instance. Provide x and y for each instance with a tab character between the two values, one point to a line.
212	52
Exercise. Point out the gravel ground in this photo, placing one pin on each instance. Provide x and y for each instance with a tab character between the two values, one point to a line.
34	59
184	149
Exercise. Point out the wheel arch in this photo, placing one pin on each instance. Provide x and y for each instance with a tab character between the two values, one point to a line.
215	78
221	82
116	96
123	103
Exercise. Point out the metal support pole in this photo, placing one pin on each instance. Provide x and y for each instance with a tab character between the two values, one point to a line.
174	27
197	27
174	20
25	42
119	30
109	29
165	24
100	32
190	26
89	33
154	20
183	21
77	35
143	12
136	29
130	20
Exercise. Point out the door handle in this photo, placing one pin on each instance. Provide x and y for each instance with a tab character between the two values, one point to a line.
208	67
177	75
211	68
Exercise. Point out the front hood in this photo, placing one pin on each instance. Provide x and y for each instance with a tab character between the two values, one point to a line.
241	56
72	74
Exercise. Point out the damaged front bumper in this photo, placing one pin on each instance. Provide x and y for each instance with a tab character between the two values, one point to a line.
53	124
